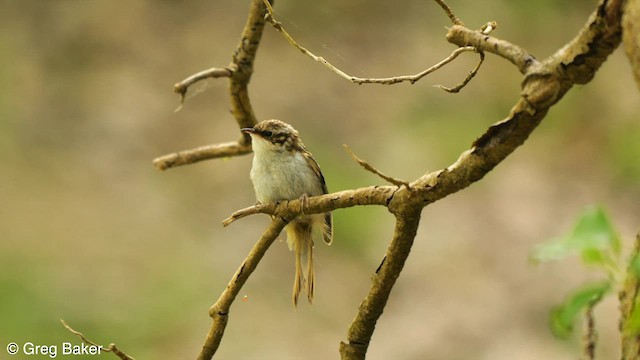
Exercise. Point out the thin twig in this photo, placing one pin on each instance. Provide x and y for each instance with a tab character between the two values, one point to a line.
591	334
416	77
251	210
472	73
182	86
449	12
354	79
368	167
111	348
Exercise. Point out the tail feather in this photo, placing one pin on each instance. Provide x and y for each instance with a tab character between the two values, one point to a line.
300	241
299	279
310	273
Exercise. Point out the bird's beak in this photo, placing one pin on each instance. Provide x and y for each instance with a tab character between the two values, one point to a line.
248	130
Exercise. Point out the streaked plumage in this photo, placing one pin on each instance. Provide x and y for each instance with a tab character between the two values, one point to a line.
283	169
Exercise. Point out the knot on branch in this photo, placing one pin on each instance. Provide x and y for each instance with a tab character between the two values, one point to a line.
541	90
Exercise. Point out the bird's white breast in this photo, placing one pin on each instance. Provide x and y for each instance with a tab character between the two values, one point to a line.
279	174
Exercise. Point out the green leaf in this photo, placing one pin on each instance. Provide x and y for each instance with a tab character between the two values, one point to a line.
563	316
595	231
593	237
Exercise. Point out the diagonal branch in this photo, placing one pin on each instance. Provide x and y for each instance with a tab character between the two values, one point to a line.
449	12
363	326
220	310
629	299
111	348
373	170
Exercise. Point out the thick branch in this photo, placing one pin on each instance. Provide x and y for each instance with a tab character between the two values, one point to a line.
463	36
630	340
363	326
631	36
243	59
206	152
220	310
544	85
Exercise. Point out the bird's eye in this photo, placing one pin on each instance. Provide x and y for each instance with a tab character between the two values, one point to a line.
267	134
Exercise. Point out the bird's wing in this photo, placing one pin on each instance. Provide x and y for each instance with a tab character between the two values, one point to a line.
327	233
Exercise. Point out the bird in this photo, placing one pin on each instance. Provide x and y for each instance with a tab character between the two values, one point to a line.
283	169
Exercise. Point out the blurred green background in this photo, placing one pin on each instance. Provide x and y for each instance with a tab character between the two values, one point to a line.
92	233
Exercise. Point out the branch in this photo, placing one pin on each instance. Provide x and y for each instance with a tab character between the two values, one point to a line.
206	152
111	348
449	13
363	326
545	84
478	39
220	310
182	86
371	195
373	170
629	299
631	36
239	73
590	334
357	80
464	82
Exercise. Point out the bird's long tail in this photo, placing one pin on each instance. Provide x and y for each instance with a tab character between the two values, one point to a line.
300	241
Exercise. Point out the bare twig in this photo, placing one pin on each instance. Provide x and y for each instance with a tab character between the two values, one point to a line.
358	80
591	334
368	167
472	73
251	210
449	12
220	310
182	86
111	348
206	152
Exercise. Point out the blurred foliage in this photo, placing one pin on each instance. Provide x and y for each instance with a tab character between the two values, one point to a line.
564	316
596	241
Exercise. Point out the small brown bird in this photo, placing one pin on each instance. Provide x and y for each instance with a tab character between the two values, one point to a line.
283	169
